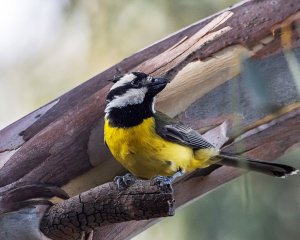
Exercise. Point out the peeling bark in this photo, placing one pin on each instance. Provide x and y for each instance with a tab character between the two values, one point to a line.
57	134
61	144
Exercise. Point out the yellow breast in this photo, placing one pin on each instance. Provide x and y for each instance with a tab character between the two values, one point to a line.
145	154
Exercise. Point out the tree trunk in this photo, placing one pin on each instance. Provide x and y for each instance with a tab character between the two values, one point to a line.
61	144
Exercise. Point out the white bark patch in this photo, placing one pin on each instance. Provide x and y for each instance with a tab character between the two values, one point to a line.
219	135
5	156
153	105
12	137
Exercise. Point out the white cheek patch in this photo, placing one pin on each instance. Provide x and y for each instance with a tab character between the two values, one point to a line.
130	97
123	81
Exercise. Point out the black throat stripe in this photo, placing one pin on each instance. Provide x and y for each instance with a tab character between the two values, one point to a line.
131	115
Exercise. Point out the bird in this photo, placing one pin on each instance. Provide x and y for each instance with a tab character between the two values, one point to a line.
149	144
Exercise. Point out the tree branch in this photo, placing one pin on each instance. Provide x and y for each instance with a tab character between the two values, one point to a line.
68	131
207	89
105	205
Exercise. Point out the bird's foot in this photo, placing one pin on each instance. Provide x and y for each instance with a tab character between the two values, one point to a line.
179	173
164	183
125	181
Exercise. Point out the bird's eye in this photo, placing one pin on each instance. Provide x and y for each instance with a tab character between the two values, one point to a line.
135	83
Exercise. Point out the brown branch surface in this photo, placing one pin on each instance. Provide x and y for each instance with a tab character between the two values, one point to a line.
203	62
67	131
105	205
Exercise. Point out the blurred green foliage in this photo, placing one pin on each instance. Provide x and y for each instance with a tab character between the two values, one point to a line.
50	46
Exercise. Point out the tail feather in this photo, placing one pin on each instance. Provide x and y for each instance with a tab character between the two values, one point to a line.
269	168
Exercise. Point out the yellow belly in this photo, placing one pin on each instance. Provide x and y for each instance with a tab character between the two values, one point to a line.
145	154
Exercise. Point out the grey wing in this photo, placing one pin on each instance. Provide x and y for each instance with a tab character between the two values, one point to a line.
179	133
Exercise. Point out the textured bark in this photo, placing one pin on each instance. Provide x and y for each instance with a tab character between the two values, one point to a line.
37	147
61	144
104	205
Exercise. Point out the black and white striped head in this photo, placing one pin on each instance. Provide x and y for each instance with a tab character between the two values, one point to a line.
132	96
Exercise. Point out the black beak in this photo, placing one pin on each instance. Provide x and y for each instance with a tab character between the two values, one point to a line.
156	85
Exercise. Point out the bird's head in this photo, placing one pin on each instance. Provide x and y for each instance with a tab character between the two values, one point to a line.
134	91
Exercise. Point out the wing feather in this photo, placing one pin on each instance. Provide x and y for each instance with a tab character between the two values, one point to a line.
177	132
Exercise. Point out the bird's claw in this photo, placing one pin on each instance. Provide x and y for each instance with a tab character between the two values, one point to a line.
164	183
125	181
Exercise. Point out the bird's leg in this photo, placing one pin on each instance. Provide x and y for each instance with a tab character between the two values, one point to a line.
179	173
125	181
166	181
